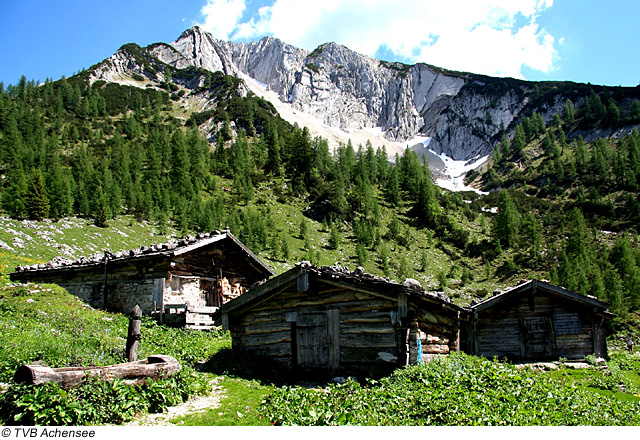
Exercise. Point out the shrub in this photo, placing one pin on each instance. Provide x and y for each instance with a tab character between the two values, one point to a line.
97	401
457	390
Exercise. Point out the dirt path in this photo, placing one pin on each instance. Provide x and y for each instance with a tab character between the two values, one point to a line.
196	404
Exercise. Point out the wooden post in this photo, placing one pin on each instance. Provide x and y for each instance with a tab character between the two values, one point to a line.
104	283
133	336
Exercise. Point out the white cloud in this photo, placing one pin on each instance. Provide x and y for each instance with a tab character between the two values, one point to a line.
222	17
494	37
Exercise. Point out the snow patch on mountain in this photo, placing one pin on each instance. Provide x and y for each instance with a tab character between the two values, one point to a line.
455	172
334	135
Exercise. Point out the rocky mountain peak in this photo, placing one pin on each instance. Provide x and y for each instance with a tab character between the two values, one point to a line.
353	95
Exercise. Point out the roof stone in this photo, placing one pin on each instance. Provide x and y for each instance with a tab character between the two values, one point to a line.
63	262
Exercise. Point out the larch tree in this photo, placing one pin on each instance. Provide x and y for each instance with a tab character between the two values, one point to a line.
37	201
506	224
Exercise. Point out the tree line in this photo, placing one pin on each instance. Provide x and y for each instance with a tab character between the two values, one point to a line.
100	150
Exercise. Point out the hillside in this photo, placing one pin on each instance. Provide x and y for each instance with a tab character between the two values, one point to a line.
178	149
44	322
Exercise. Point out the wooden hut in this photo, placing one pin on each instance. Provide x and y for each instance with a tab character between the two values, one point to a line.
537	321
185	280
331	321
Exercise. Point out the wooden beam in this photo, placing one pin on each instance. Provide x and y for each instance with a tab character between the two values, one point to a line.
402	305
349	286
333	329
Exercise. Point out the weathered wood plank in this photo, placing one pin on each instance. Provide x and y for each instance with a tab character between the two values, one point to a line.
286	302
345	307
333	329
435	339
365	318
367	291
267	327
266	339
368	340
361	328
402	305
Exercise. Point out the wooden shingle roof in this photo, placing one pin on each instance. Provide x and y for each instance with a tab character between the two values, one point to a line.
169	250
341	277
533	286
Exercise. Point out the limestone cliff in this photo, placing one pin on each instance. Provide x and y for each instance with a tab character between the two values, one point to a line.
464	115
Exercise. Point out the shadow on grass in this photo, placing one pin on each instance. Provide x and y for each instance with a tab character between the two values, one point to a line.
248	366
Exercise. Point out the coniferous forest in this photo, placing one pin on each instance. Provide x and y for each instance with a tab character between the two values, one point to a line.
567	209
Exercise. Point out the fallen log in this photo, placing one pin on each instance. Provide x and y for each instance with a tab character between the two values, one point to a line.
154	367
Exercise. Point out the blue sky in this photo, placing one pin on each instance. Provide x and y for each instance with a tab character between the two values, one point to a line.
595	41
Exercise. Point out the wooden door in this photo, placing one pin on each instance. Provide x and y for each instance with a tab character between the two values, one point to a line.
158	295
317	340
537	338
312	340
207	289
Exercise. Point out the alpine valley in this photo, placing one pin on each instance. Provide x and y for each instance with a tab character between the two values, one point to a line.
323	156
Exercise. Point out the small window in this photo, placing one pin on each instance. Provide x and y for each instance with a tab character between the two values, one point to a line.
567	324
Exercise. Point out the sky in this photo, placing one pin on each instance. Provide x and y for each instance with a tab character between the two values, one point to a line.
596	41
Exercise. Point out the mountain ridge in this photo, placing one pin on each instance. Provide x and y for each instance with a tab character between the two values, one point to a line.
346	95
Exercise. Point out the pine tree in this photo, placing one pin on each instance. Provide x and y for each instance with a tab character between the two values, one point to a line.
37	202
392	189
394	228
424	261
335	237
506	224
182	185
519	141
427	209
635	109
285	249
623	259
569	113
303	228
59	188
274	161
14	196
443	280
100	217
532	236
383	254
466	276
578	239
613	114
403	269
361	254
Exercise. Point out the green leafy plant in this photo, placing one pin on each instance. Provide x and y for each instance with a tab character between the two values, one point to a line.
458	390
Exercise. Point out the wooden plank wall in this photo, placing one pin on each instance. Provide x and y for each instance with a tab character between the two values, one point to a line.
371	334
498	328
366	332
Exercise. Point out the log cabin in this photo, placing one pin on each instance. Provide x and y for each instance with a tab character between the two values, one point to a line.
537	321
181	282
324	321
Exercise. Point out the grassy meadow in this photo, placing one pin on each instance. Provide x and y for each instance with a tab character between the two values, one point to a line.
45	323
